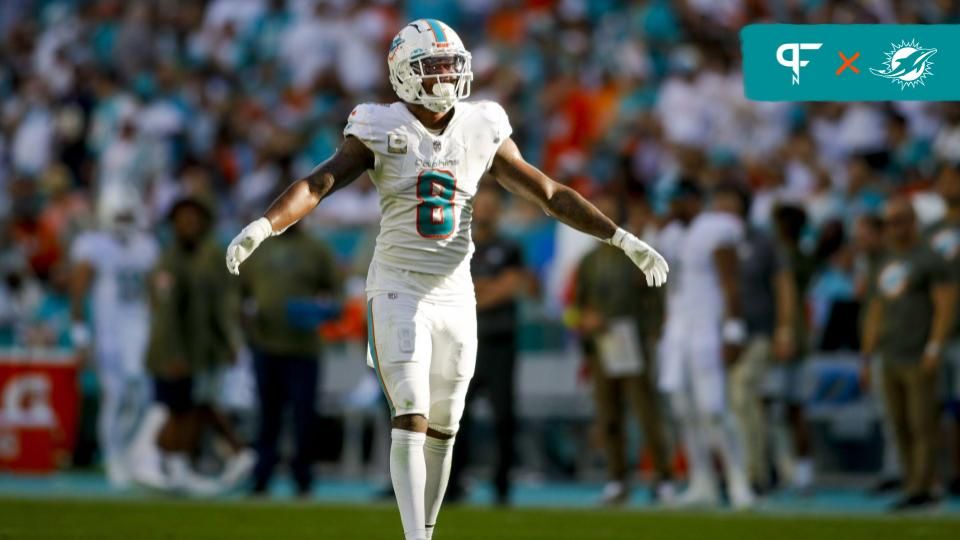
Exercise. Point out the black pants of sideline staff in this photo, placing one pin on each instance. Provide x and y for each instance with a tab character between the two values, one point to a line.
494	378
284	380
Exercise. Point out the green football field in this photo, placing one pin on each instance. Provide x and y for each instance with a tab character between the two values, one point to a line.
186	520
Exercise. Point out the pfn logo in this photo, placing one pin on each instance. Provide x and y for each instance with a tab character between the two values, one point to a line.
794	62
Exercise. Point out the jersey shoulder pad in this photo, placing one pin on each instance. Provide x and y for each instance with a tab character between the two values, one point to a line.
722	228
370	122
86	246
149	247
492	114
669	239
672	230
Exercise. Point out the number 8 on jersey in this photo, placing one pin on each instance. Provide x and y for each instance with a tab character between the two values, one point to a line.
436	190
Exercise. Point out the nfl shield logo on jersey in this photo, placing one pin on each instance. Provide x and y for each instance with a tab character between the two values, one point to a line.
436	145
396	144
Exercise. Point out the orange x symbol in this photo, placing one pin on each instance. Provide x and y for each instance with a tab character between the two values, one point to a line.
848	62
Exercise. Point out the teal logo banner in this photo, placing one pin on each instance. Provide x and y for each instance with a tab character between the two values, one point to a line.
851	62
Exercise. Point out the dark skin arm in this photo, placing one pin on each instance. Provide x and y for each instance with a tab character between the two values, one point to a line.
521	178
871	327
81	279
555	199
868	341
944	297
348	163
728	267
785	287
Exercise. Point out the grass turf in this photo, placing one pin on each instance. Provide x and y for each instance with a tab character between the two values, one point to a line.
188	520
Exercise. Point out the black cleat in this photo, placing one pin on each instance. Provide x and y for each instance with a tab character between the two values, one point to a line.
955	487
914	502
886	485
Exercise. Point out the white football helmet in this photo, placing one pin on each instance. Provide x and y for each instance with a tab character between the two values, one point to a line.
119	209
424	57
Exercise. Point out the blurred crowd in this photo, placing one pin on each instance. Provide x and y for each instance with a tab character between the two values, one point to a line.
226	101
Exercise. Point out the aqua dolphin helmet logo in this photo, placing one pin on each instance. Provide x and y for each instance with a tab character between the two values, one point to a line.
907	64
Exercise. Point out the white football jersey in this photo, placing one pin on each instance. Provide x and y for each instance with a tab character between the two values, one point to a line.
699	294
427	182
121	313
669	243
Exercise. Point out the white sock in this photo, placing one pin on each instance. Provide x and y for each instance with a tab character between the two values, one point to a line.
145	438
803	473
108	418
701	477
438	454
408	471
178	466
693	433
727	439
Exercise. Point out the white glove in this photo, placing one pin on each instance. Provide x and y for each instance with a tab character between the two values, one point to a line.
651	263
248	240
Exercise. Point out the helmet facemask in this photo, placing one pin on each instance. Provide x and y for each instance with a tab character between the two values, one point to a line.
436	81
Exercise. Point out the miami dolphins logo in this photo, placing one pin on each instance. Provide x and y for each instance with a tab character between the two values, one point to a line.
397	42
946	243
894	278
907	64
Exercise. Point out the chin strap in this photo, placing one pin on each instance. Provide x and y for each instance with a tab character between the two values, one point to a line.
448	94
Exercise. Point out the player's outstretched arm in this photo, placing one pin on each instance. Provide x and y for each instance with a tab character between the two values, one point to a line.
349	162
565	204
81	279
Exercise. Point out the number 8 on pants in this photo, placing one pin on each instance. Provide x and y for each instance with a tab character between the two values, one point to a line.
424	355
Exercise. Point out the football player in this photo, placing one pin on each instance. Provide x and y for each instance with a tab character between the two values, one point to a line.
703	336
426	155
110	264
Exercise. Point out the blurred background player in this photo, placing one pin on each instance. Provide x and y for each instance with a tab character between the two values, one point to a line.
790	344
110	268
295	269
685	204
868	238
193	337
907	326
762	288
622	329
421	299
704	336
499	279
